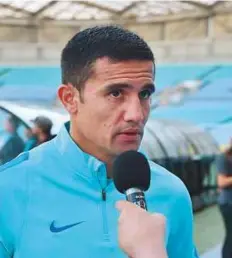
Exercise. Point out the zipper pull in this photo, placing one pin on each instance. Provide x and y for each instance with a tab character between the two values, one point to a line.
103	194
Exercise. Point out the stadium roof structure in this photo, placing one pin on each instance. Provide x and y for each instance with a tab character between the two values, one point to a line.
114	11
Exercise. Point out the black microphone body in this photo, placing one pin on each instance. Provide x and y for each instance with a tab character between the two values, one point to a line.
131	174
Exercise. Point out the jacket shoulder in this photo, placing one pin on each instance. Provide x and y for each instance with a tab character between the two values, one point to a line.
16	161
167	180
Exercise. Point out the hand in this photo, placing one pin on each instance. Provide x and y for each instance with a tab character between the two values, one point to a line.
141	234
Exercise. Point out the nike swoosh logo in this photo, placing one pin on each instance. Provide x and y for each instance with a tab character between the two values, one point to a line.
55	229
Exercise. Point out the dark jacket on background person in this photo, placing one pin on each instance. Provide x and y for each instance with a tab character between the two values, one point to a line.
11	149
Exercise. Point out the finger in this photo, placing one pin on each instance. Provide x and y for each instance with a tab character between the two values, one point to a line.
121	205
124	208
159	216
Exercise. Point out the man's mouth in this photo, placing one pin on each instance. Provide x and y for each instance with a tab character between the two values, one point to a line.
131	131
130	135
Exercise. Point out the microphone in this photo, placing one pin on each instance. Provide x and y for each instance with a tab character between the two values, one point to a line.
132	175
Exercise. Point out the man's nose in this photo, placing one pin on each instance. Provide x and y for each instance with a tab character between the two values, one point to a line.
134	111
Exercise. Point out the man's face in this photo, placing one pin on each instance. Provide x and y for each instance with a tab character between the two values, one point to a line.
115	107
36	130
9	126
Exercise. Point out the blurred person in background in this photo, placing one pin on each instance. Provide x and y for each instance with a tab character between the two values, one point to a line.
31	141
41	132
13	145
65	201
224	179
42	129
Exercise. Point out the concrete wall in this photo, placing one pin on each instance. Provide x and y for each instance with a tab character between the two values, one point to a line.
46	33
197	39
216	26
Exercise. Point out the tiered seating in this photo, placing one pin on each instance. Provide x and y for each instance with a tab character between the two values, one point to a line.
209	104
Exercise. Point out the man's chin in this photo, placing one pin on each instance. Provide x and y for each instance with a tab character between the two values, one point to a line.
128	147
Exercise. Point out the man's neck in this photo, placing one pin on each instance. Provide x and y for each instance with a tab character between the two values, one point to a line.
91	149
43	138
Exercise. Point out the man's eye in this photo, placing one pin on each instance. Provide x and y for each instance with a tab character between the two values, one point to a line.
116	93
145	94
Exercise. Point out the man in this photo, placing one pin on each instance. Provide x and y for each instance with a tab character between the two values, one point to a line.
13	145
224	178
40	132
65	201
42	129
141	234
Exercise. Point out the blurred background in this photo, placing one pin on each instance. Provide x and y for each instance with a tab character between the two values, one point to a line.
191	117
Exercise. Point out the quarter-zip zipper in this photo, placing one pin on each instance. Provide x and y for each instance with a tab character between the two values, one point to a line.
103	204
103	195
104	216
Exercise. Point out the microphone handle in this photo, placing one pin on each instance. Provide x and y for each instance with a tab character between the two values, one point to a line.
137	197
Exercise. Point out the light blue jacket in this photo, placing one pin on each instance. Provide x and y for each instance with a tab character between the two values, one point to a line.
51	205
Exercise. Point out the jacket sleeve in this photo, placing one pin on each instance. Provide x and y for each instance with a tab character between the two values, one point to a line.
13	203
180	242
6	220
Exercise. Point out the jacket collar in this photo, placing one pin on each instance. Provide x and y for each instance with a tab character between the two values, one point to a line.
74	157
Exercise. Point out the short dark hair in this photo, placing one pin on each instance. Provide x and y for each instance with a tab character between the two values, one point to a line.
44	123
115	42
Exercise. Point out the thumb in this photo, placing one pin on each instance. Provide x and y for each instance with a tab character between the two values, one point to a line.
121	205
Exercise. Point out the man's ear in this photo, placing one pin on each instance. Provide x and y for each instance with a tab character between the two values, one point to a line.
69	96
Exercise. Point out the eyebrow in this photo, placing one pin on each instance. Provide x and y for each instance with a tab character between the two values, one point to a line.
120	86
